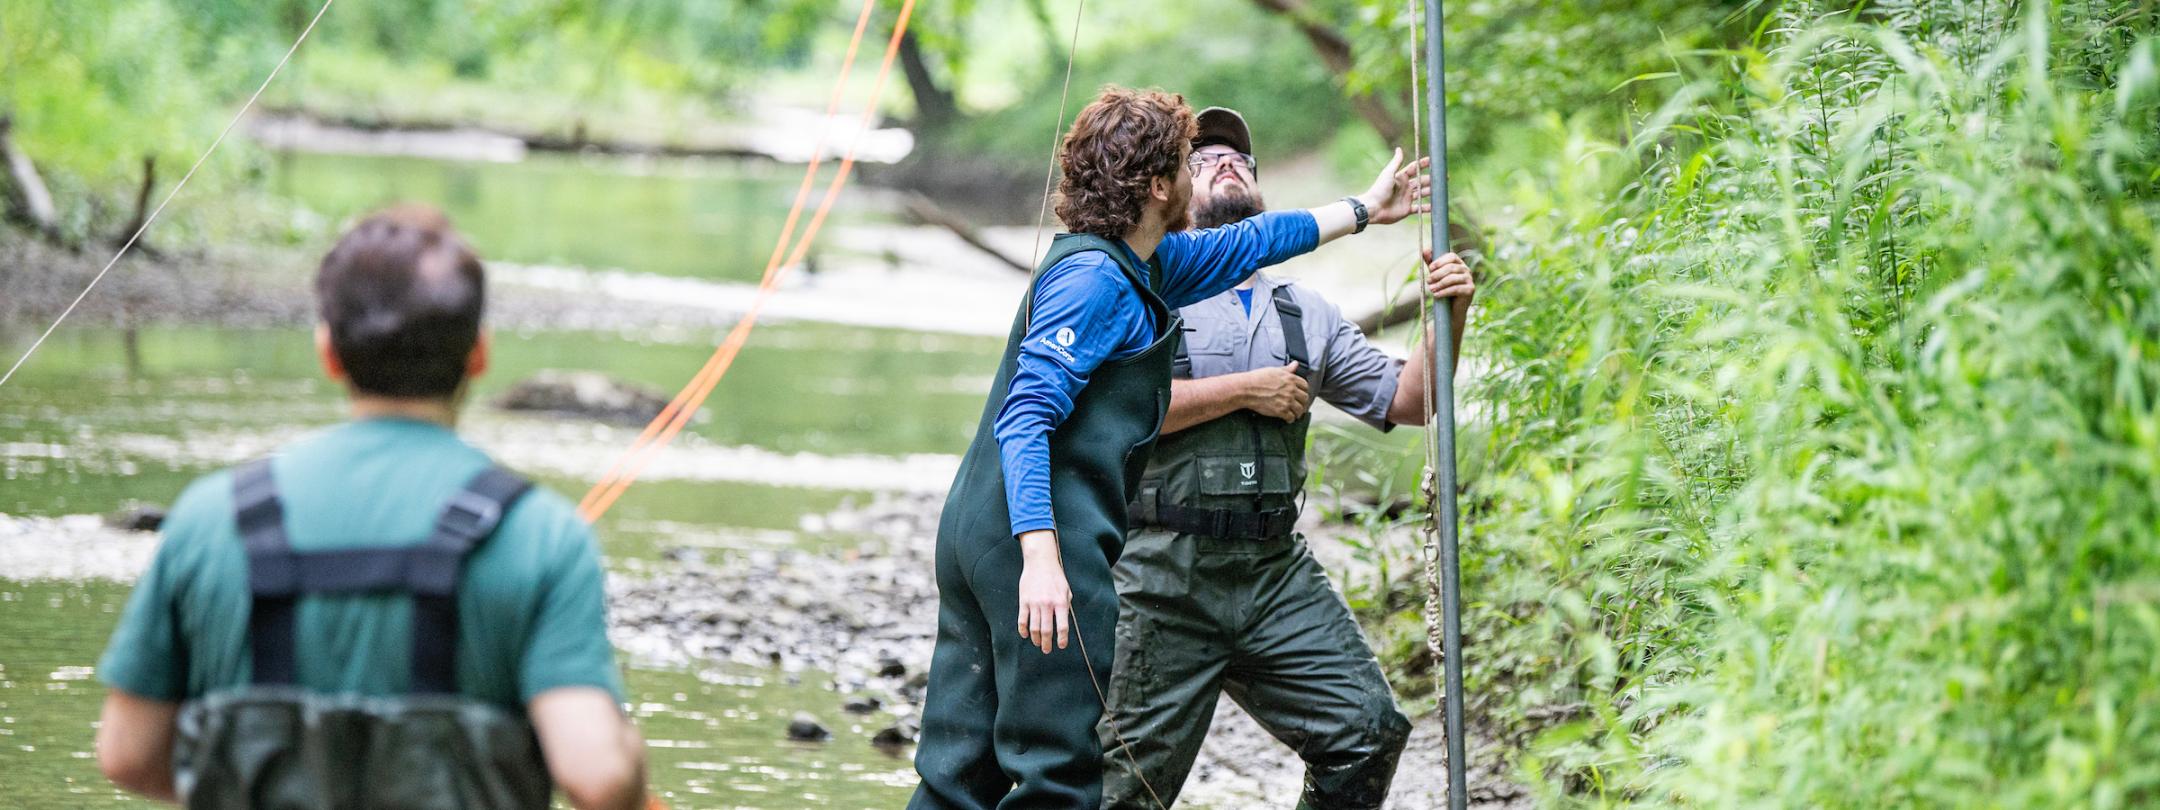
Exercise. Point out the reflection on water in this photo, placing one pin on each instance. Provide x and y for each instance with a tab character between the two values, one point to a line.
717	737
705	218
83	437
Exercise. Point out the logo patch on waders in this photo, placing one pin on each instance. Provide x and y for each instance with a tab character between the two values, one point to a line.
273	744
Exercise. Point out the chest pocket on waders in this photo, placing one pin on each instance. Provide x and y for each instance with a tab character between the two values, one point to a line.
275	746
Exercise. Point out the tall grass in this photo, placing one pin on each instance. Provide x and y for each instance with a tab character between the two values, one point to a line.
1824	466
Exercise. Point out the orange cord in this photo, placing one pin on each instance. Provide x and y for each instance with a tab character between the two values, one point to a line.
671	420
772	263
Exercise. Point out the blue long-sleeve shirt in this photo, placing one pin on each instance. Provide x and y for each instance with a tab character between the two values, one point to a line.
1087	313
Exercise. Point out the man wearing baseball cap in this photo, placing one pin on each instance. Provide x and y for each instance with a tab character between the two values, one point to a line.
1217	593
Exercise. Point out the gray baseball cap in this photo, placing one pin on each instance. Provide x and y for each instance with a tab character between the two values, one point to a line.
1224	126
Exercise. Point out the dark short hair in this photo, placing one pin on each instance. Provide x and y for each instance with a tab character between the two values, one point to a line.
1120	142
402	295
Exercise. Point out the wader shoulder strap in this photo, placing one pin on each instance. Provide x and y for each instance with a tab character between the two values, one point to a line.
278	575
270	615
1181	362
469	518
1293	328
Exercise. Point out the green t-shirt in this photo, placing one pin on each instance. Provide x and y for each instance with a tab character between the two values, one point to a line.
531	613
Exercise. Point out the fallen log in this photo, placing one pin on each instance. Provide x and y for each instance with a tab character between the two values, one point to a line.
1468	241
929	213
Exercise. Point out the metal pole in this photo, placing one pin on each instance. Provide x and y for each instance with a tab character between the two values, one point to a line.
1443	400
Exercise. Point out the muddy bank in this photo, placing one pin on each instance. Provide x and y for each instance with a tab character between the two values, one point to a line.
254	287
785	134
922	280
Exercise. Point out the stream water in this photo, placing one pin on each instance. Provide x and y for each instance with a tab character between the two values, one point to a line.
843	406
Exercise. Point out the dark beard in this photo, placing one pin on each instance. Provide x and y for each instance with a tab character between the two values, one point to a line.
1225	208
1177	213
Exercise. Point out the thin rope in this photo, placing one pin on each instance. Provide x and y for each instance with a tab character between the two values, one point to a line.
706	373
1108	718
137	235
1418	151
1057	133
604	496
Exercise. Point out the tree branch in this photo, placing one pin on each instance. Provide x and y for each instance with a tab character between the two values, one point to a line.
1335	53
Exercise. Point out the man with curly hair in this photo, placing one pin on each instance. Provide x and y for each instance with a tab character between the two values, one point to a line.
1036	516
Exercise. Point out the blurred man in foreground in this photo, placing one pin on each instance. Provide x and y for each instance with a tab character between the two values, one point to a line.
377	615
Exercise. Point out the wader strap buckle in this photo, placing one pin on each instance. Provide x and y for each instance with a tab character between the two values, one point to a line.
1221	523
429	571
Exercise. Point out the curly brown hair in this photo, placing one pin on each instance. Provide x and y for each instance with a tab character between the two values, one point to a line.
1120	142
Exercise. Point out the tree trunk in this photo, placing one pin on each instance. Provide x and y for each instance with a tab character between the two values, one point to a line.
27	196
935	107
1334	51
1053	47
142	200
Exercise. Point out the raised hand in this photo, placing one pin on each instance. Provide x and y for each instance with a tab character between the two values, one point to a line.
1399	191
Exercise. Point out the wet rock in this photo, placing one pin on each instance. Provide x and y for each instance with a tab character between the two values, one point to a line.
805	728
583	395
861	705
892	736
137	517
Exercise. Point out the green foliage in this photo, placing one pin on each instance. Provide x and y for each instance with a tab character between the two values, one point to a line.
1823	457
96	86
1209	50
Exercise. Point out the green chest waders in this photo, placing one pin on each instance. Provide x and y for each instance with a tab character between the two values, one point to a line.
1237	476
276	746
1004	724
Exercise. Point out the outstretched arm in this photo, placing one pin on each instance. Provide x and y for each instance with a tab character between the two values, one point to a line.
1199	264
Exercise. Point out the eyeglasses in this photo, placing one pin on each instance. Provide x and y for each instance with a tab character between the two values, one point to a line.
1202	161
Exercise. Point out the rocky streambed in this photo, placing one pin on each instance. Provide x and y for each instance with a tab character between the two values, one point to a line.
860	621
867	617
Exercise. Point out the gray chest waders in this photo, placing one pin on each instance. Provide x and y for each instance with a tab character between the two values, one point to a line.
1004	724
1237	476
276	746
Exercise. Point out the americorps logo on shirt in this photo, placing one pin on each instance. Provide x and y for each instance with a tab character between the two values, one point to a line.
1059	341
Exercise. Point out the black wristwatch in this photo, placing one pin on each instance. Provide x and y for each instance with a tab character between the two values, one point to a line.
1357	209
